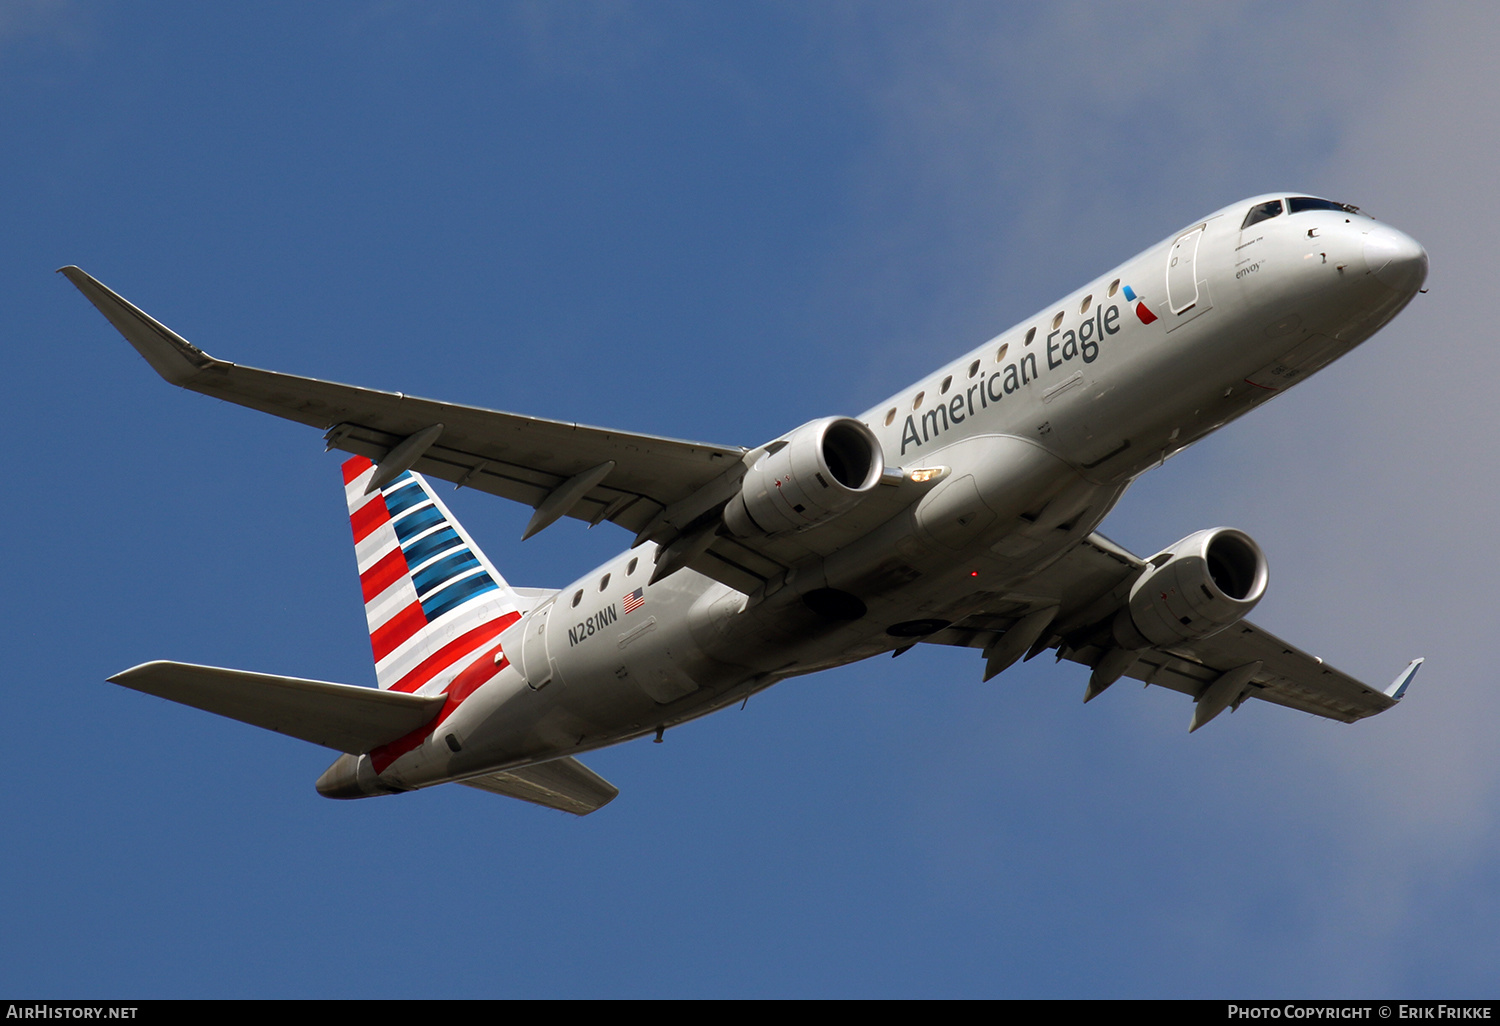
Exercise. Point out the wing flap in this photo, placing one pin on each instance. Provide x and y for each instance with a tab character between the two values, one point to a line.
564	784
338	716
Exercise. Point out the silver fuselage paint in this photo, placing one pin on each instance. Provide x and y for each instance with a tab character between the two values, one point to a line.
1041	429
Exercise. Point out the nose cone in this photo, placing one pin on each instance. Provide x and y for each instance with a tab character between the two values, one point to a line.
1396	259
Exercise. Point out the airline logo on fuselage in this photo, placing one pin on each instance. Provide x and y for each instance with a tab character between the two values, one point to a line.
1063	345
1141	309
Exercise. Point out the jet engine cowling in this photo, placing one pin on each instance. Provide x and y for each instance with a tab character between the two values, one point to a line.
1206	582
824	469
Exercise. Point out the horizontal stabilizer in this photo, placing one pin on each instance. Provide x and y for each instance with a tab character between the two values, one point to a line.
338	716
564	784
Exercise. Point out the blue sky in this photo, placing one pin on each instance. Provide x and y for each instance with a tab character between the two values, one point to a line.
717	222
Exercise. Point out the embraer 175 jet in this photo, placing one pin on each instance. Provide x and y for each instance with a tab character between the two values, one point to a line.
960	511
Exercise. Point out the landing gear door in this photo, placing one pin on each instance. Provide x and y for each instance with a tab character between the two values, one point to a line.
536	665
1187	296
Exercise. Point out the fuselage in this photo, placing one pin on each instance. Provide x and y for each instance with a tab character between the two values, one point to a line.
1031	438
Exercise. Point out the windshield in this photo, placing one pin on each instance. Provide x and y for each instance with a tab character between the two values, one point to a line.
1297	204
1261	212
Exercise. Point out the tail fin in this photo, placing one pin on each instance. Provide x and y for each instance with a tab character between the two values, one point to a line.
432	599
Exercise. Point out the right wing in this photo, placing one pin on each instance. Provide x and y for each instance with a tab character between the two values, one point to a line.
1089	583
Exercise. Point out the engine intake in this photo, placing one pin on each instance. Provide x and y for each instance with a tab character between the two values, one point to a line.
1198	587
824	468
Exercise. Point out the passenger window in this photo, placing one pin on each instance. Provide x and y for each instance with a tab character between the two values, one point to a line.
1114	287
973	368
916	403
1088	301
1001	354
1031	334
578	596
890	415
947	384
631	568
604	582
1261	212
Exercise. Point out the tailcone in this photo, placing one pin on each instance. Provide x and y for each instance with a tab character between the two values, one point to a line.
352	776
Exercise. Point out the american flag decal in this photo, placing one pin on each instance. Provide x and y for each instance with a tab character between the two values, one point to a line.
635	600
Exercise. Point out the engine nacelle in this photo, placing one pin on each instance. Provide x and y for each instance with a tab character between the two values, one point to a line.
1203	584
823	470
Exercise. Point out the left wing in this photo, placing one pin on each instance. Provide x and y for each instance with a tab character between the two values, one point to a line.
664	490
517	457
1090	582
655	487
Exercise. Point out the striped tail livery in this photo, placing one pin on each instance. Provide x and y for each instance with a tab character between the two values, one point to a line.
433	602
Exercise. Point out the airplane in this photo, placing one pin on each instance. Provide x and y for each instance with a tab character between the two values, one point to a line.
960	511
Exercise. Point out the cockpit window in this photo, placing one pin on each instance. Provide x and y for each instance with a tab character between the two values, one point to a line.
1261	212
1297	204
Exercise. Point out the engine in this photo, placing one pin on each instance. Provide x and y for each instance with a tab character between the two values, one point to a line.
824	468
1203	584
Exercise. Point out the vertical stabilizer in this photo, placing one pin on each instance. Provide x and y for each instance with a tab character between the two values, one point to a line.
433	602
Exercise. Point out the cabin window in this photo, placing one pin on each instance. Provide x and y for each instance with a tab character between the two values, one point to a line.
1001	354
1030	334
973	368
1114	287
1057	321
604	582
578	596
1261	212
947	384
1088	301
916	403
890	415
630	569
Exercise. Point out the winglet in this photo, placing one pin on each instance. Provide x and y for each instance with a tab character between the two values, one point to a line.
169	354
1403	679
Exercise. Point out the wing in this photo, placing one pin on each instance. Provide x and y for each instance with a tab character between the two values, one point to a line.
1066	602
654	487
664	490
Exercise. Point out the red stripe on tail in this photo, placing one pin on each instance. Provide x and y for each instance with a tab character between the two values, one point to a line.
368	517
385	638
355	467
390	569
453	651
